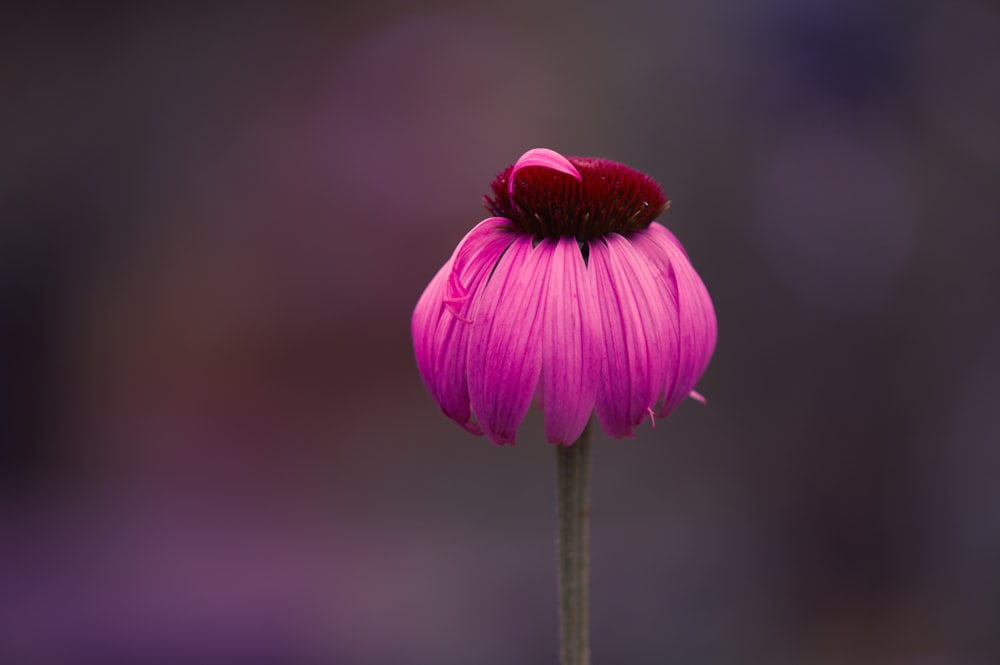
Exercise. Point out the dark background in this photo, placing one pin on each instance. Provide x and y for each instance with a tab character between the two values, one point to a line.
214	227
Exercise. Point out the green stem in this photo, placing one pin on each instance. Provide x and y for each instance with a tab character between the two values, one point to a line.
573	513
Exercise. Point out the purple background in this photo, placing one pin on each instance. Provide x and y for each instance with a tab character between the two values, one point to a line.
214	227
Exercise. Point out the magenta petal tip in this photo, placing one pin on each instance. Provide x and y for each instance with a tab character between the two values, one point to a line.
544	157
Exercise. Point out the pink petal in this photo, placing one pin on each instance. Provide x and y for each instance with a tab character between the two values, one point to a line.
505	351
472	257
426	318
695	312
638	334
441	320
570	334
545	158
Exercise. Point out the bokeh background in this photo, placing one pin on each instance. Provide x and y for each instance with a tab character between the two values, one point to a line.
214	226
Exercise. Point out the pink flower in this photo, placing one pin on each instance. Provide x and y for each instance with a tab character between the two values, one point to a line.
570	295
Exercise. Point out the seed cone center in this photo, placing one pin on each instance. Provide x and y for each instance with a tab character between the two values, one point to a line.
609	198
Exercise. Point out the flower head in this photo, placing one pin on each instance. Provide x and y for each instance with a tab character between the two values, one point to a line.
569	295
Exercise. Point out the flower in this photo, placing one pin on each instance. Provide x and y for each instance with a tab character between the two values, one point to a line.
570	295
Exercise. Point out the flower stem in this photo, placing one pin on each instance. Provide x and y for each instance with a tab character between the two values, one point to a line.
573	514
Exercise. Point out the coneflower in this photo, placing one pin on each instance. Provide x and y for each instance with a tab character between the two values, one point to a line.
571	295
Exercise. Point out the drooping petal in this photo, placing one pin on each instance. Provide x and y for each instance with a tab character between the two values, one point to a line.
570	352
695	312
637	335
505	351
442	318
660	265
426	317
474	258
542	157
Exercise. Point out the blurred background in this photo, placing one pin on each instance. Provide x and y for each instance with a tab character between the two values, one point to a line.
214	227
